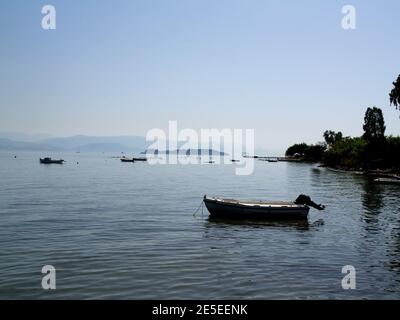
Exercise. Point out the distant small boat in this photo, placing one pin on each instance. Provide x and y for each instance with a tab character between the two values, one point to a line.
260	210
266	159
140	159
125	159
387	181
253	157
48	160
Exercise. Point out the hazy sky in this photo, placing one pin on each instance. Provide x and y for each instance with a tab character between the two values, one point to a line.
285	68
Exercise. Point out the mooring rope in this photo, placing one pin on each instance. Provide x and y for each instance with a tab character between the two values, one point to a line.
197	210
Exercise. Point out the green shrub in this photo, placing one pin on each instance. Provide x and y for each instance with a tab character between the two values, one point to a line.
347	153
313	152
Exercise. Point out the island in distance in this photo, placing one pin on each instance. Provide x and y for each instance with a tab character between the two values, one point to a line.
82	143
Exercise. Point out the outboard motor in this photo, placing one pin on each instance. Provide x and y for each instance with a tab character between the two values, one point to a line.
306	200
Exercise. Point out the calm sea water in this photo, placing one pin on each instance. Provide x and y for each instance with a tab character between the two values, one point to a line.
127	231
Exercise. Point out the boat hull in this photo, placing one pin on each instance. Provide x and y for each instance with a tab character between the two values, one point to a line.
237	211
387	181
127	160
44	161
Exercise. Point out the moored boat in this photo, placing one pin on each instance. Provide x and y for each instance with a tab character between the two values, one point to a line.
260	210
139	159
48	160
125	159
387	181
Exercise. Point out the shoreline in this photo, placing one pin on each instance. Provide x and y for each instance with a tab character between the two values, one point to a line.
392	174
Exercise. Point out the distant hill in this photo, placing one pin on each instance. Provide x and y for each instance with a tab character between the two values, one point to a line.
78	143
7	144
16	136
102	147
93	143
82	143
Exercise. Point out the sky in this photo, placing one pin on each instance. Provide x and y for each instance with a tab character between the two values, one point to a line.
286	69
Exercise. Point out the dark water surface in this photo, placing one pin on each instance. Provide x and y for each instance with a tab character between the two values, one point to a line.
122	230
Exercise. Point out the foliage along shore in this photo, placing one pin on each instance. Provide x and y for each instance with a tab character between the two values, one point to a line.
372	153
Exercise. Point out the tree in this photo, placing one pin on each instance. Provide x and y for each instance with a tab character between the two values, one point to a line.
374	125
313	152
395	94
374	134
298	148
392	152
331	137
348	153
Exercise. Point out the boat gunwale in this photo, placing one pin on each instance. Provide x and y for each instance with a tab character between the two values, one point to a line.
255	204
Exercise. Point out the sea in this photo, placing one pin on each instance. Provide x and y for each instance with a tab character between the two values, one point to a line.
113	230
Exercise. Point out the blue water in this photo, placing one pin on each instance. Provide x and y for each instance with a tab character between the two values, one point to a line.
127	231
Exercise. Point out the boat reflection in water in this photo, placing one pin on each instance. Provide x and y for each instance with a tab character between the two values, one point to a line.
300	225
